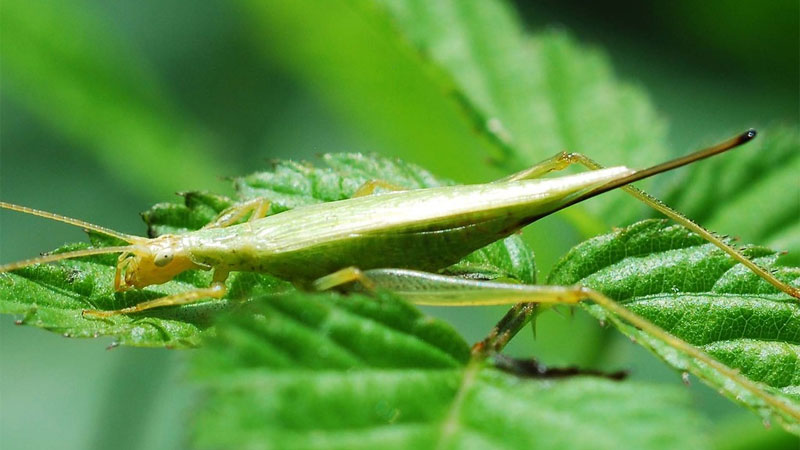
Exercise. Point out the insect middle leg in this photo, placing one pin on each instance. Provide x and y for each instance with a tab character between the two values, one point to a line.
555	163
563	160
369	187
257	208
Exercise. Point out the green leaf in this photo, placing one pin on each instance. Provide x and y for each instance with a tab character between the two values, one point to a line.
694	291
346	56
61	62
753	192
290	184
198	209
327	371
53	296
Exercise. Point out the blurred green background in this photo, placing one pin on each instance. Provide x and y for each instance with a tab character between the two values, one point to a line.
109	107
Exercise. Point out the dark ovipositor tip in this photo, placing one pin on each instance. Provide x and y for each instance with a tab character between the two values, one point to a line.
749	134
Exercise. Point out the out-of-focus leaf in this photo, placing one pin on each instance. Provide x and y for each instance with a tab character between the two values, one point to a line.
730	41
753	192
63	62
696	292
540	93
537	94
346	55
326	371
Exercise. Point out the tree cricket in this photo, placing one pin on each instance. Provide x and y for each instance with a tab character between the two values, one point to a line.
396	240
330	244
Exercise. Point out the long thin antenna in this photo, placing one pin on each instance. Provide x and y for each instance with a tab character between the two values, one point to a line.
78	223
65	255
733	142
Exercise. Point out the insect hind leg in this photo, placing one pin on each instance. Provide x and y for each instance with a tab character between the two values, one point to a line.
507	328
564	160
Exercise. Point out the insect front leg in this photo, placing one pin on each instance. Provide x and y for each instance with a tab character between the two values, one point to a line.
563	160
257	208
217	290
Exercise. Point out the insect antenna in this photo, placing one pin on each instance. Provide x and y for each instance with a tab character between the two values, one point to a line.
65	255
74	254
78	223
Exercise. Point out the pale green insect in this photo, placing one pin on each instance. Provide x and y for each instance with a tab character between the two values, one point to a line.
319	246
389	241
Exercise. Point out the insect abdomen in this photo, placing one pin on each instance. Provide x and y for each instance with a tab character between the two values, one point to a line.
420	250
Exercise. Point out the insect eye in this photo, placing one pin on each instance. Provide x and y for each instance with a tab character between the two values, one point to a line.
162	259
